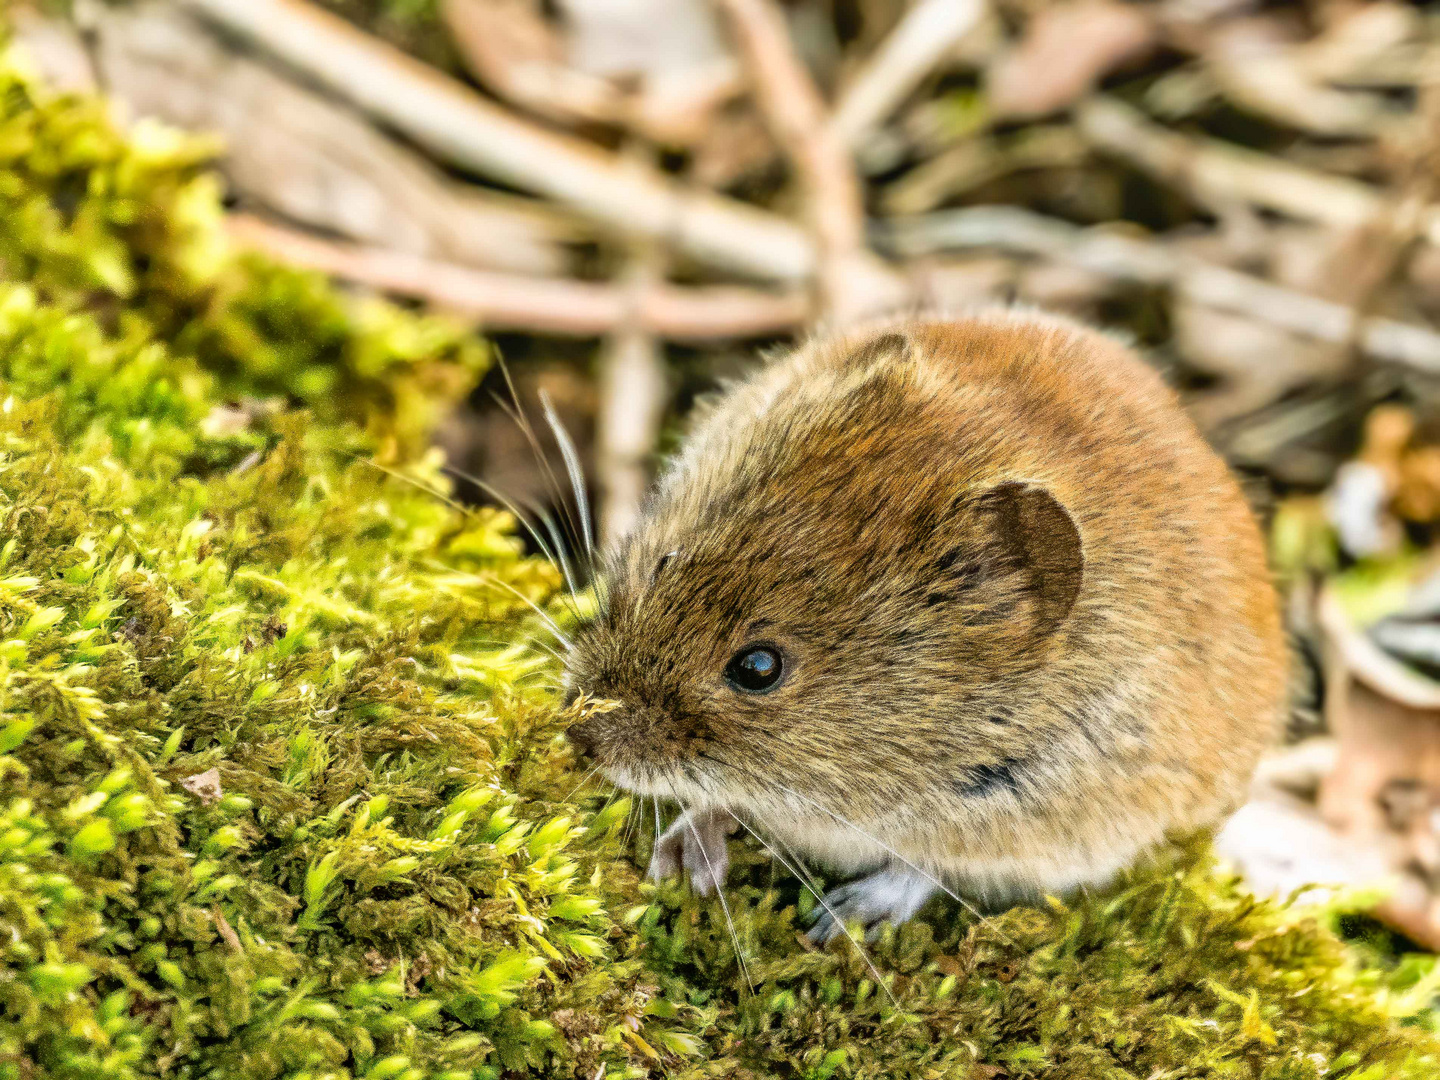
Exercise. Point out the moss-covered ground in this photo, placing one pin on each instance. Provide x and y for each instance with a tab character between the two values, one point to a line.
283	786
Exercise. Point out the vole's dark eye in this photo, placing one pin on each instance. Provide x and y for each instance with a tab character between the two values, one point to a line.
755	669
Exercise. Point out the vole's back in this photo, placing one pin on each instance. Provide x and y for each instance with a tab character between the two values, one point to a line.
1174	645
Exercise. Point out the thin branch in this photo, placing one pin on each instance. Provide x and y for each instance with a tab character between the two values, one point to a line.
853	282
459	126
540	305
927	32
1022	232
634	391
1216	173
1272	82
981	160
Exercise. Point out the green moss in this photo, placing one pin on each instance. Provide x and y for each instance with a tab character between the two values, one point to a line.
129	227
283	787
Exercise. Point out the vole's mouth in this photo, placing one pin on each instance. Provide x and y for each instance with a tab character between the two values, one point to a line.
677	784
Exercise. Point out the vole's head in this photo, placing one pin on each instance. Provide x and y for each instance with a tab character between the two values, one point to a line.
832	593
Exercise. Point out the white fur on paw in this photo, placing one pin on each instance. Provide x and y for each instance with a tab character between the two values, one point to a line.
885	896
696	844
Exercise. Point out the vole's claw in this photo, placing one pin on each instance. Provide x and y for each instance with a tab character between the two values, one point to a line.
696	844
885	896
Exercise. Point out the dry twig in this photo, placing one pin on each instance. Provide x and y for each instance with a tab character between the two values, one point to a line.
309	158
1019	231
853	282
1274	81
634	392
515	53
927	32
513	50
539	305
1218	174
973	162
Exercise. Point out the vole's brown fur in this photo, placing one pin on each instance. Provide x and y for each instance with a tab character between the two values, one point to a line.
1024	612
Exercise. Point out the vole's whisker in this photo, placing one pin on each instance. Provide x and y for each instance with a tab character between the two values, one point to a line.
517	414
560	558
504	500
583	781
554	551
548	649
577	475
468	511
615	794
629	828
533	642
966	904
550	624
820	899
719	892
413	482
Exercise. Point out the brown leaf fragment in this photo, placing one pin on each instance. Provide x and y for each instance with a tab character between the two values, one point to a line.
375	962
204	786
1382	741
227	931
950	965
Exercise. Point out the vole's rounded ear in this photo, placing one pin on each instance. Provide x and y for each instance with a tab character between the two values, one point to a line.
1031	535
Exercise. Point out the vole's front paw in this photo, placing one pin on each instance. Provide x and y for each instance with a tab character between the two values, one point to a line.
885	896
695	843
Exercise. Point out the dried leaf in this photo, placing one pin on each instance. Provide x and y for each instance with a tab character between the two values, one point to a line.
204	786
1064	51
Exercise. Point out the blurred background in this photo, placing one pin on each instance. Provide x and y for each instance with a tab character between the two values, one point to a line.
634	199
